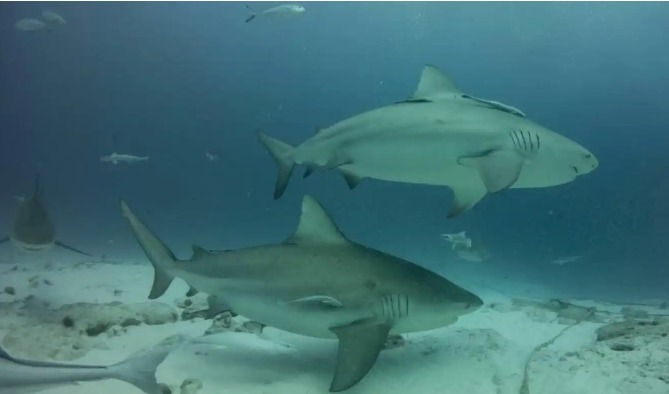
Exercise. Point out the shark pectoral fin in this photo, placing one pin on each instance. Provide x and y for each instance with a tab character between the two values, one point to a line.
434	84
351	179
498	169
70	248
321	300
217	305
359	346
464	198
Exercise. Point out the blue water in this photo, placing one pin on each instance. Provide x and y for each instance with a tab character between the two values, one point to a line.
174	80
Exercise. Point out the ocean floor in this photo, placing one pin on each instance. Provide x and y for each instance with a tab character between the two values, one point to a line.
98	313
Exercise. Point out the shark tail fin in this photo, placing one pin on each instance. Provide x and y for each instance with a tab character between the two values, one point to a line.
159	254
140	369
253	15
282	155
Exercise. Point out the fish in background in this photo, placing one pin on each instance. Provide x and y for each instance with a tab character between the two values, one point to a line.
439	136
280	10
31	24
32	228
316	283
212	155
567	259
458	239
476	252
21	376
49	20
52	18
116	158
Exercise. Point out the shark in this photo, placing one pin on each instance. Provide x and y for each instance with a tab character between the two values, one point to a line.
458	239
22	376
32	228
116	158
279	10
439	136
316	283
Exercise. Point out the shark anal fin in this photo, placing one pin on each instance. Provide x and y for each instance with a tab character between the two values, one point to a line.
359	346
498	169
191	291
464	198
199	252
351	179
70	248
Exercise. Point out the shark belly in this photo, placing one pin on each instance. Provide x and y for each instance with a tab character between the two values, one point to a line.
33	247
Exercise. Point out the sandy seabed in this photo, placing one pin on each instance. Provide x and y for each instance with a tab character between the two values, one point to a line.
46	313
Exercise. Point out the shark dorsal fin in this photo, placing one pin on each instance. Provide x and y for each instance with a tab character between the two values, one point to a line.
315	225
199	252
434	85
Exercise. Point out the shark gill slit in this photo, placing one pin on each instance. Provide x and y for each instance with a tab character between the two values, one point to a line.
513	141
524	142
517	140
529	137
538	141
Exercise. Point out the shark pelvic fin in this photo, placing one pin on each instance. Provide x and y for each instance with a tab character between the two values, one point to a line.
359	346
464	198
320	300
434	85
159	254
281	153
315	225
498	169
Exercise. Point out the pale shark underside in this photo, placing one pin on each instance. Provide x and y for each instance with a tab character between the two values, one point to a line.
317	283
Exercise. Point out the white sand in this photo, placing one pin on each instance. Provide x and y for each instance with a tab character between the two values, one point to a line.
483	353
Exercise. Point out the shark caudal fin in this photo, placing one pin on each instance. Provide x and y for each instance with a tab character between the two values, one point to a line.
140	369
161	256
281	153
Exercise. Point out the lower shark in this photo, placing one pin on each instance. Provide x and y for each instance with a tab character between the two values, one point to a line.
440	136
21	376
317	283
32	228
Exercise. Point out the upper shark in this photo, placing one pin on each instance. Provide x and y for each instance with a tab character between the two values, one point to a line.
32	228
317	283
440	136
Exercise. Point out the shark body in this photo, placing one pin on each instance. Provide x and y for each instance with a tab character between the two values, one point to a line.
32	228
317	283
441	136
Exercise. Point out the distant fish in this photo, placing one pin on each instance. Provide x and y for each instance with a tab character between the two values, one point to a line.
32	228
458	239
31	24
116	158
565	260
20	376
52	18
212	156
280	10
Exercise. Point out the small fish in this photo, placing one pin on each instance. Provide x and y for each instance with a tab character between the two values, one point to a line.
458	239
31	24
116	158
20	376
212	156
52	18
284	9
565	260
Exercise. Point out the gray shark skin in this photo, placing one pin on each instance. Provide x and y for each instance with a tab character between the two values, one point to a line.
20	376
317	283
440	136
32	228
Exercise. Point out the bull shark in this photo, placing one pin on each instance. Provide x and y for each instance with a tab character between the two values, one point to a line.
317	283
116	158
32	228
440	136
21	376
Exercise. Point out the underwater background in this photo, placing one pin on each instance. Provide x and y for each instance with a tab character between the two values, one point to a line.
176	80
